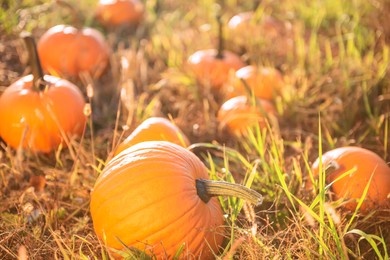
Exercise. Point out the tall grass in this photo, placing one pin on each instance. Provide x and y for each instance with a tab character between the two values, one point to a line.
336	71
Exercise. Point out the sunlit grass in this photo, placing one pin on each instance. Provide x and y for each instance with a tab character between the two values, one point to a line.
337	93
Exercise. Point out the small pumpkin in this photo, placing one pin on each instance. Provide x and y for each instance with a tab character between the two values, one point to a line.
240	21
67	51
214	66
117	13
273	34
40	111
264	82
154	129
362	164
238	114
156	197
246	23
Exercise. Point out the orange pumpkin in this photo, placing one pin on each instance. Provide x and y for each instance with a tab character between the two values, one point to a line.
237	114
146	197
274	35
67	51
211	69
155	129
214	66
362	164
156	197
40	112
264	82
245	23
115	13
240	20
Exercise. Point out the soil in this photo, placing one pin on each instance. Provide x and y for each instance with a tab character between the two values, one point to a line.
11	65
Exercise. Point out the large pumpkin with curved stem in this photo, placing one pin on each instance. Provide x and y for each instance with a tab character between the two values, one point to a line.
115	13
67	51
238	114
41	112
264	82
360	165
156	197
146	197
154	129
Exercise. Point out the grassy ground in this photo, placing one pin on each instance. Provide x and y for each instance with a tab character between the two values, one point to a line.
334	57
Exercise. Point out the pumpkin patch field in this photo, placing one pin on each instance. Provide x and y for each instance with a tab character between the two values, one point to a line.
205	129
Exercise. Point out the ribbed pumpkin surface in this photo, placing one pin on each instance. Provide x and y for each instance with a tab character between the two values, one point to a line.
146	197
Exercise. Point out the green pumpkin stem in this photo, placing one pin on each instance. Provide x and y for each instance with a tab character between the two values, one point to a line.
206	189
36	68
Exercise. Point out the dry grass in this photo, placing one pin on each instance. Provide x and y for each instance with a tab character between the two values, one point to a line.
334	56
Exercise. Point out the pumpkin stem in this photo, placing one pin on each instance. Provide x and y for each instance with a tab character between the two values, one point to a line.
210	188
331	167
36	68
220	38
